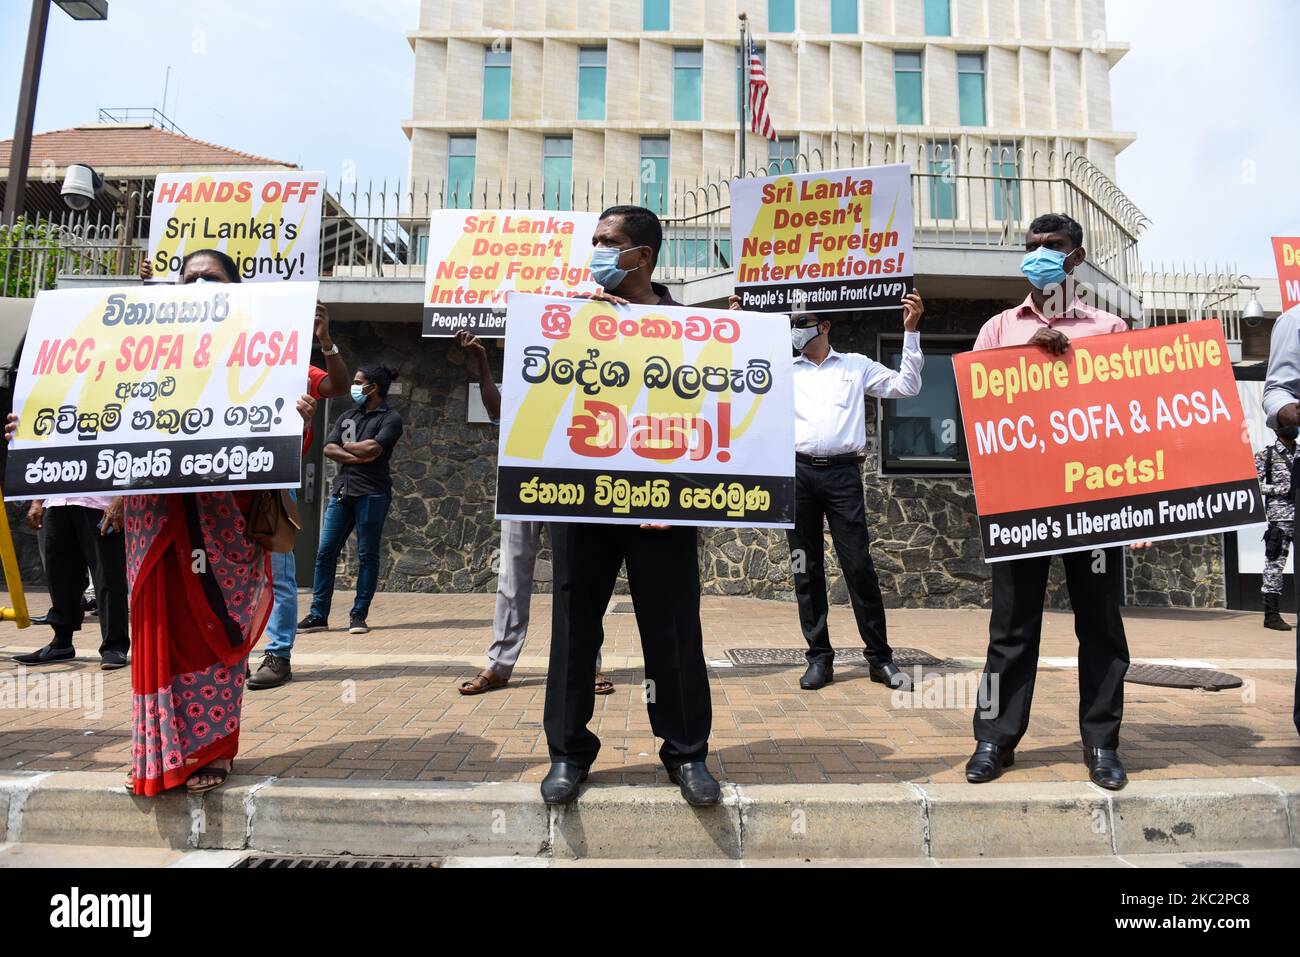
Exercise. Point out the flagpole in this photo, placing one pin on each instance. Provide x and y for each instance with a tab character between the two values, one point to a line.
742	88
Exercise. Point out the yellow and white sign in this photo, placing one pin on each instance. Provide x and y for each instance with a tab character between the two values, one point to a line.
636	414
162	389
268	223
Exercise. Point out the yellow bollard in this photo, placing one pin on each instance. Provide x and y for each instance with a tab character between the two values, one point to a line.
9	560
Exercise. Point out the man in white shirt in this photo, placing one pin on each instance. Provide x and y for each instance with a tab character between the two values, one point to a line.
830	441
82	533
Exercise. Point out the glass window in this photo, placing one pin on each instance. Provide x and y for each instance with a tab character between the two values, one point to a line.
591	83
688	66
943	181
557	172
460	172
780	16
924	433
781	156
655	14
496	84
970	88
938	18
1006	184
844	16
907	88
654	173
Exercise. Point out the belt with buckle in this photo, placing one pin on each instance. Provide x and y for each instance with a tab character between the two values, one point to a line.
825	461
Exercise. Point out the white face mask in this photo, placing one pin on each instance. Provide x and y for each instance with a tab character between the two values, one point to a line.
801	337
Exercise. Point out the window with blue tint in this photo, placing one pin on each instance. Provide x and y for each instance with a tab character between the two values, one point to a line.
460	172
844	16
970	89
557	172
688	69
781	156
1005	168
907	88
780	16
654	173
943	181
938	18
924	433
591	83
496	84
655	14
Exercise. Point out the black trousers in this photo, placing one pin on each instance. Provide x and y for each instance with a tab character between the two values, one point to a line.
663	575
835	493
74	546
1015	630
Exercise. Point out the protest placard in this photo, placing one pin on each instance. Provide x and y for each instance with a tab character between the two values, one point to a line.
1131	437
820	242
1287	251
268	223
645	414
478	258
162	389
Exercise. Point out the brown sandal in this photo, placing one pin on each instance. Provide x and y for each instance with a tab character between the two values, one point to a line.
603	684
483	681
206	771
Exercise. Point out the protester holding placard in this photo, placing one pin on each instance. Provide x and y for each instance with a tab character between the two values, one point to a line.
663	576
199	599
1054	249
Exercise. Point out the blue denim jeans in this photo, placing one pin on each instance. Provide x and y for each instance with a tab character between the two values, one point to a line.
282	626
365	513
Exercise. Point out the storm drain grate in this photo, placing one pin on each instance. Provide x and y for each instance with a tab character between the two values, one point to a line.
903	657
264	862
1172	676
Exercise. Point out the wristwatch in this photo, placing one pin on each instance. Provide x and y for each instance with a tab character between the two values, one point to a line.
330	352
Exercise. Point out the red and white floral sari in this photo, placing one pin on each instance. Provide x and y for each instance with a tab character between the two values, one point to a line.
200	598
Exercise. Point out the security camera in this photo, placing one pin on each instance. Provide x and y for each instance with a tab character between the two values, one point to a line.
80	186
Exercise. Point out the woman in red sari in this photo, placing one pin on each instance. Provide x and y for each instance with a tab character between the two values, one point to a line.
200	595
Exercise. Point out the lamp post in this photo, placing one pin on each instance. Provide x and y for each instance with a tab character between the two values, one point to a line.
20	156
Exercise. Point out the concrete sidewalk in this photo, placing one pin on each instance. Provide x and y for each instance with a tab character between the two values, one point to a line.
371	751
384	706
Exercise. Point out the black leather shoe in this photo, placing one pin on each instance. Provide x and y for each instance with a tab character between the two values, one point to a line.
40	620
112	660
819	673
560	786
987	762
699	787
1104	768
47	655
892	675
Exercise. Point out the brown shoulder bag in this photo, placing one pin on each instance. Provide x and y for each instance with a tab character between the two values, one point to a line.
273	519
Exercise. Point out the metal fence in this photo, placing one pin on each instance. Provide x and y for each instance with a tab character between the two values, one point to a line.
965	192
1189	293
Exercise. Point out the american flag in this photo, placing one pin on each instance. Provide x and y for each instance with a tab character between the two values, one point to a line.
759	119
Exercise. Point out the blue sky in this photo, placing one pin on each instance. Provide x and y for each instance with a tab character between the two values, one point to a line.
1209	87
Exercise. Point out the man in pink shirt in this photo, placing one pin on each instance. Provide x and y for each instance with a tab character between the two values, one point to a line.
1054	249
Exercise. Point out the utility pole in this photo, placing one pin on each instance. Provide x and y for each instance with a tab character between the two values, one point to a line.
742	85
20	156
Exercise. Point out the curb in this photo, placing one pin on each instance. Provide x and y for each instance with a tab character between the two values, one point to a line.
770	821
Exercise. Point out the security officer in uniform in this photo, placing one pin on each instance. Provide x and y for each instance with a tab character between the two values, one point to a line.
1274	465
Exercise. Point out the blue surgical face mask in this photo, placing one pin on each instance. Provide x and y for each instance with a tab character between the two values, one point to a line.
605	269
358	393
1044	267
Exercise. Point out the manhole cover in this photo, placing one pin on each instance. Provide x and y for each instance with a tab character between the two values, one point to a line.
1171	676
903	657
622	608
263	862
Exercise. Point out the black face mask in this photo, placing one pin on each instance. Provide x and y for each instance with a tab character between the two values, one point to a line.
1288	432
